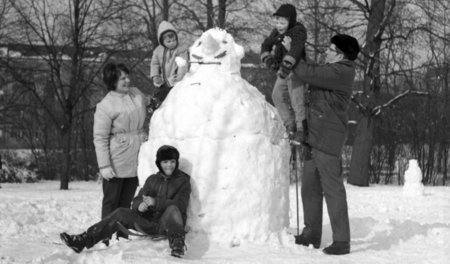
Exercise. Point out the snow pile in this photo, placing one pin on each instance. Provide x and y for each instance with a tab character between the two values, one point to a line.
413	180
385	228
232	143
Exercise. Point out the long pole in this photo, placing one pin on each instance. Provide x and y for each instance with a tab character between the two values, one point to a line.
294	159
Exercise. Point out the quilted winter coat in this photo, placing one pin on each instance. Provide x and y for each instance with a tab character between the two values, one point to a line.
118	131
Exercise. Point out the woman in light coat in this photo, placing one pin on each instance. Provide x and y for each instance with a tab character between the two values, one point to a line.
118	135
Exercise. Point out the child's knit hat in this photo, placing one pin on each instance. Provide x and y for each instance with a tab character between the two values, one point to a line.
288	11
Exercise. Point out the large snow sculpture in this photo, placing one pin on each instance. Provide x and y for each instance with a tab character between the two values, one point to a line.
232	143
413	180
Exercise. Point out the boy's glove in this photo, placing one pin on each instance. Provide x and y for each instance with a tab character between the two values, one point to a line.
143	207
157	81
285	69
271	63
147	201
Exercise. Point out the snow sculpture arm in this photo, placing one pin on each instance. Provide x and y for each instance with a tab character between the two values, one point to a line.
181	62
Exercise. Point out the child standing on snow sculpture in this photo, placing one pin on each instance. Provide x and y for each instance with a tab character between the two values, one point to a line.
158	209
281	51
163	69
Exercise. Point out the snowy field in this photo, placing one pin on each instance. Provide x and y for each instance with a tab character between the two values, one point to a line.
386	228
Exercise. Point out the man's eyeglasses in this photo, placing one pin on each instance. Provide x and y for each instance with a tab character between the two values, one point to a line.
333	49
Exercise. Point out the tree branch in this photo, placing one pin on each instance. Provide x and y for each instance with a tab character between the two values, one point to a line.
378	109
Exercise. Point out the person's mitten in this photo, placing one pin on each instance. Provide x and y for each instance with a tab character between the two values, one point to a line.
270	62
153	104
285	69
157	81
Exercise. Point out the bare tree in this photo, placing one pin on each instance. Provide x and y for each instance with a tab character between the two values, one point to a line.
151	12
196	16
65	32
392	26
379	14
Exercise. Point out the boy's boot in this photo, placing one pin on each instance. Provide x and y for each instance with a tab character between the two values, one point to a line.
75	242
337	248
176	243
297	138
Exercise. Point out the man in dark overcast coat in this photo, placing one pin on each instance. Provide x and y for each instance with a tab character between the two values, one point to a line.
327	101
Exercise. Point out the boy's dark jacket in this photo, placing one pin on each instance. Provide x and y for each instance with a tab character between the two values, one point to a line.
173	190
298	35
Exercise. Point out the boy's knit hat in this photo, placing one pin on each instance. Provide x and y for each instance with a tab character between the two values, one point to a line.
288	11
166	152
347	44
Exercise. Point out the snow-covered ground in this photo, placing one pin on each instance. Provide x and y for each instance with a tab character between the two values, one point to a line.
386	228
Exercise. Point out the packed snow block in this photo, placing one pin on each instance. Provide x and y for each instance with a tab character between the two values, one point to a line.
413	185
232	143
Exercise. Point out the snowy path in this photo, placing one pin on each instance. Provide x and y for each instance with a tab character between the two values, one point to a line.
386	228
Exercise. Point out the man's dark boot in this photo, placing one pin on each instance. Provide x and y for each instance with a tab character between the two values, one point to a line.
176	243
75	242
306	241
337	248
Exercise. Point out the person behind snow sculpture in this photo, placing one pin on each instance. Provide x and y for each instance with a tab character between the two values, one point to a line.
118	134
159	208
164	71
328	97
281	51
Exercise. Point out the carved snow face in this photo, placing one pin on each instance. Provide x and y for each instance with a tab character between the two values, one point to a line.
216	48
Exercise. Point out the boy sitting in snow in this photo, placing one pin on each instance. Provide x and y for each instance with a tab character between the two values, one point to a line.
281	51
163	69
159	208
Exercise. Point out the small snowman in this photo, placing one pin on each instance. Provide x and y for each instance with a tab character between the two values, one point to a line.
413	180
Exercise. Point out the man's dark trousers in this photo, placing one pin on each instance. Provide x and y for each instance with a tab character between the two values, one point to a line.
322	177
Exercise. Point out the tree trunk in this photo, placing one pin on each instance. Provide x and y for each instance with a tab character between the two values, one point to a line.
209	14
391	147
84	146
165	10
67	138
316	30
360	162
222	13
444	177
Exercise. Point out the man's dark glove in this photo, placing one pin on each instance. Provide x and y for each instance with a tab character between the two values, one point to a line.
271	63
285	69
